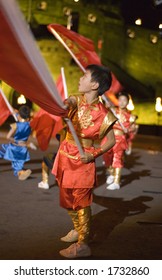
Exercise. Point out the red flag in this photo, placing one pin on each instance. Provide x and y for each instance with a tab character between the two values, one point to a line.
22	66
84	50
82	47
115	88
60	87
47	125
4	111
43	125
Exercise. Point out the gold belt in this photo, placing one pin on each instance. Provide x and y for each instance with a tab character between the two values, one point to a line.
86	143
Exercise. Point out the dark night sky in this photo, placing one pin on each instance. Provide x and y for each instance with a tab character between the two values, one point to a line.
150	14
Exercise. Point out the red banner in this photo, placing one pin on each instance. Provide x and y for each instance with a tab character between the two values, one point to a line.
82	47
22	66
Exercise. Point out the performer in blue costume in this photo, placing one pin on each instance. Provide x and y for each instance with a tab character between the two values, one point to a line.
17	151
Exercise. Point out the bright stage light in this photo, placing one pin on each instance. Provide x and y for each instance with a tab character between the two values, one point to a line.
21	99
130	105
158	106
138	21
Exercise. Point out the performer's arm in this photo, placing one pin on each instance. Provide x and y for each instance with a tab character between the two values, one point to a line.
11	132
88	157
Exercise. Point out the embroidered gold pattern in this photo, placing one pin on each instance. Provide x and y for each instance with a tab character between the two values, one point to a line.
85	117
84	112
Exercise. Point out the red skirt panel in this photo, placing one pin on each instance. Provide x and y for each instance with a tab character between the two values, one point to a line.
75	199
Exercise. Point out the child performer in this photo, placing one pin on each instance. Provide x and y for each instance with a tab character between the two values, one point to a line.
76	175
16	151
114	158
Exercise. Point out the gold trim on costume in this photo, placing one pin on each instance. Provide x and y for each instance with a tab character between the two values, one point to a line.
118	132
67	155
85	117
86	143
84	112
107	122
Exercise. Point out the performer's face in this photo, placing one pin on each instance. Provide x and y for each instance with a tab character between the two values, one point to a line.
85	83
123	102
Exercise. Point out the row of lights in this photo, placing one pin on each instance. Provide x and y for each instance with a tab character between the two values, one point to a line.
153	37
158	104
138	21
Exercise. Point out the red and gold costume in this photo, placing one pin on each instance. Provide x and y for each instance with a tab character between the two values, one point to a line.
91	122
114	157
75	178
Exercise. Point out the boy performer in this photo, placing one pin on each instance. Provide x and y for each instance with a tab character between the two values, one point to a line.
76	175
114	158
16	151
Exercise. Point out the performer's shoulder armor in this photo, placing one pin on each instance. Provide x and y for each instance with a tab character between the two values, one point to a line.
108	121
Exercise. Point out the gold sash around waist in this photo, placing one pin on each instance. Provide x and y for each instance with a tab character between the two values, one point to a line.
85	143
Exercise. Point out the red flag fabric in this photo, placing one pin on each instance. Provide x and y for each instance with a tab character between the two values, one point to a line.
43	125
82	47
114	89
47	125
22	66
84	50
116	85
60	87
4	111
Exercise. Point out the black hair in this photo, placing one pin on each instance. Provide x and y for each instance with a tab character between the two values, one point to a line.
24	112
101	75
123	93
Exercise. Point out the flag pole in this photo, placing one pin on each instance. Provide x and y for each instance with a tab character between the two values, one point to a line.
64	82
67	120
8	105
